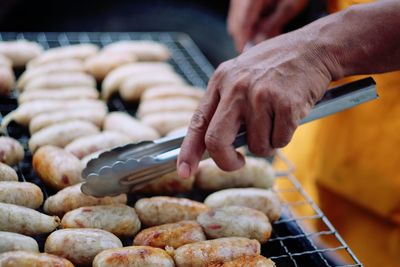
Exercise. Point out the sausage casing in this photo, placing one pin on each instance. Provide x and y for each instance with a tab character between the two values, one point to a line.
11	151
13	241
26	221
264	200
7	80
59	80
168	121
118	219
171	91
172	235
132	88
86	145
172	104
7	173
116	77
71	198
78	51
168	184
29	259
67	93
80	246
134	256
20	52
101	64
237	221
205	253
28	110
163	210
21	193
56	167
253	261
144	50
93	115
69	65
61	134
128	125
256	172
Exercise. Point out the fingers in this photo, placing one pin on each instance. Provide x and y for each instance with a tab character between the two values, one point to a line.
284	124
273	25
259	121
242	19
193	145
221	133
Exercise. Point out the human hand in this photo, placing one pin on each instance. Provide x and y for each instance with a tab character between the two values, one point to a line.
269	88
257	20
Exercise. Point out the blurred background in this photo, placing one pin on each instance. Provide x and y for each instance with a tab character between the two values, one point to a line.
204	21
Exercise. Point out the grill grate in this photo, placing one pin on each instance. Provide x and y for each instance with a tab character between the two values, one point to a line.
293	242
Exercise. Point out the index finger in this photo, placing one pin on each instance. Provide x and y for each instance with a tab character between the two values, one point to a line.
193	145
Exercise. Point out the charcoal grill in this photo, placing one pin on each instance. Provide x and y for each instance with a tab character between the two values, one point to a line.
293	242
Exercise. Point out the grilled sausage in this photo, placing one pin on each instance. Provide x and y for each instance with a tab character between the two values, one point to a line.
11	151
266	201
20	52
56	167
80	246
93	115
162	210
115	78
26	221
170	91
202	254
29	259
69	65
87	158
257	172
254	261
128	125
168	121
7	80
79	51
132	88
168	184
21	193
71	198
143	50
118	219
86	145
67	93
25	112
7	173
60	80
172	235
61	134
181	104
134	256
101	64
13	241
238	221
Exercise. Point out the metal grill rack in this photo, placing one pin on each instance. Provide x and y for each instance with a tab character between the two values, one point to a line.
293	242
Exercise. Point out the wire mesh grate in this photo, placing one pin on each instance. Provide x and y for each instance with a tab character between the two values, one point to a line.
293	241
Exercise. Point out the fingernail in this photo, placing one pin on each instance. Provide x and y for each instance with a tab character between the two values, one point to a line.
184	170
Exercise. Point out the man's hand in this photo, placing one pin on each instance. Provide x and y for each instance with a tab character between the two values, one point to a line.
269	89
257	20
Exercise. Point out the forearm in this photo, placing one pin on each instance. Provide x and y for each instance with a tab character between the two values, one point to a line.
363	39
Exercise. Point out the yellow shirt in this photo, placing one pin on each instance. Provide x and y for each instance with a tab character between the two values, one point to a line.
355	153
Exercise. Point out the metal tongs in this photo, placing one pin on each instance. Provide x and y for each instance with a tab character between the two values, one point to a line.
127	168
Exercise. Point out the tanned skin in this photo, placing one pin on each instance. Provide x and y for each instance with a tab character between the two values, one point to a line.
271	86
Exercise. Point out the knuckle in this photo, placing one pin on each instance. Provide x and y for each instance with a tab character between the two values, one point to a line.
199	121
213	142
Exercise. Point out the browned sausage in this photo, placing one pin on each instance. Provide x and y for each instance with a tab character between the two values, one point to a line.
21	193
29	259
172	235
11	151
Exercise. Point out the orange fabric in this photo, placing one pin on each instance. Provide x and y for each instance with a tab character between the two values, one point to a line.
354	153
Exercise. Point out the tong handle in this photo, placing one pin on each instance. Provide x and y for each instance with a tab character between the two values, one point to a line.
334	100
